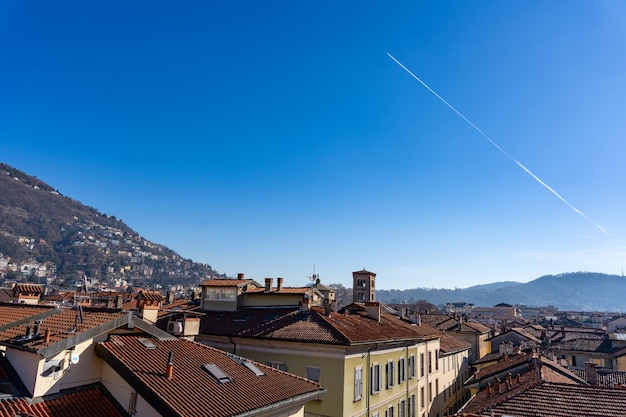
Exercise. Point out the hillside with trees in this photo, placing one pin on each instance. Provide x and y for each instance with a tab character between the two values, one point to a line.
45	235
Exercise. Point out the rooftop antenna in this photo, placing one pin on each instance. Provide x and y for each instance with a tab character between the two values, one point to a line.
78	299
314	276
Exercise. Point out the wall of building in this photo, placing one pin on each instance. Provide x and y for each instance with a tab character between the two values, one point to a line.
122	392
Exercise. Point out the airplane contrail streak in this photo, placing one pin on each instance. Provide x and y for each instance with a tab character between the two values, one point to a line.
519	164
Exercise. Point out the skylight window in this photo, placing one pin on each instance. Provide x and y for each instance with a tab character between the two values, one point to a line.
251	366
147	343
217	373
245	362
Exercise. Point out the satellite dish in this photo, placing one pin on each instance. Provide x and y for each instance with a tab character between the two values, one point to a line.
74	358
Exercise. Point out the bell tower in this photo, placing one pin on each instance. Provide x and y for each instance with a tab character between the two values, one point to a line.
363	286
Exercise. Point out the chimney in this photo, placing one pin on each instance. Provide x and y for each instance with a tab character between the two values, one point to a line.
508	377
268	284
305	303
496	386
489	389
591	373
169	297
169	369
373	310
29	330
240	276
37	327
279	284
46	336
119	300
518	378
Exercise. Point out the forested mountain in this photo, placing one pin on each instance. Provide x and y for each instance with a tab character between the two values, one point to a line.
580	291
44	234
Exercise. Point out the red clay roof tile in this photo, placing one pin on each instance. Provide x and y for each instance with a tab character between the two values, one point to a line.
193	390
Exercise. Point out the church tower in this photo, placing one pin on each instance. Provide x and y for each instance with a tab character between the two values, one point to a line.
363	286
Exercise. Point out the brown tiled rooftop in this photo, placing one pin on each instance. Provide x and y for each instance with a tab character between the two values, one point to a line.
450	344
226	282
535	398
193	391
86	402
345	327
60	324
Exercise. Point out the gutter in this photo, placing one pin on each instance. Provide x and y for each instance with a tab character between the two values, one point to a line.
303	398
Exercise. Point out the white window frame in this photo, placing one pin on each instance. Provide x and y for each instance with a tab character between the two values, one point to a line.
412	367
376	379
358	383
390	368
313	368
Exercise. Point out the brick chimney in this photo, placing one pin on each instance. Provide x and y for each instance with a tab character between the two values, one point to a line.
240	276
169	368
46	336
279	284
268	284
496	386
591	373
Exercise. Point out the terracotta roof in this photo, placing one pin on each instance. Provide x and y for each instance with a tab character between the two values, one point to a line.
345	327
534	398
30	288
77	403
451	344
605	377
193	390
284	290
60	324
227	282
449	323
363	271
150	295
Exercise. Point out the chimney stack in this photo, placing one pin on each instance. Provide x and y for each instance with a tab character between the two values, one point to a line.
169	369
496	386
268	284
279	284
240	276
373	310
46	336
591	373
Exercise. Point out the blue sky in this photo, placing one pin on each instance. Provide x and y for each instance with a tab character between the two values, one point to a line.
269	137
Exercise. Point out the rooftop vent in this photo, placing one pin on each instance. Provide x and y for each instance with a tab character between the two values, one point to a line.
216	372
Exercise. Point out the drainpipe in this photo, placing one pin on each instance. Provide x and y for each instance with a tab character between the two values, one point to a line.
368	389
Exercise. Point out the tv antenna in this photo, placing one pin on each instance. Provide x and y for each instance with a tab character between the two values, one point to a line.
313	277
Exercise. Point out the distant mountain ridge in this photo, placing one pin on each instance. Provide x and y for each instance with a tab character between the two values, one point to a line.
579	291
47	235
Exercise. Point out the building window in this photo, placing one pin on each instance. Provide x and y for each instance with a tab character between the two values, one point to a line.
314	373
358	383
436	387
377	378
422	398
412	366
430	392
412	406
436	359
277	365
430	361
389	412
402	409
390	374
401	370
421	364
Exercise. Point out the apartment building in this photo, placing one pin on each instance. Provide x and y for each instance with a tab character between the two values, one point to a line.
371	362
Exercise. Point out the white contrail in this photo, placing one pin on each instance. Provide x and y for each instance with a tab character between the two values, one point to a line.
519	164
